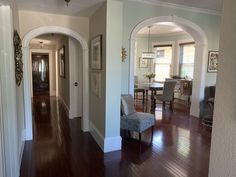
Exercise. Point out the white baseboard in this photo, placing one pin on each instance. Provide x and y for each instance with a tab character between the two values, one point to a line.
106	144
64	105
21	150
22	145
96	134
112	144
53	93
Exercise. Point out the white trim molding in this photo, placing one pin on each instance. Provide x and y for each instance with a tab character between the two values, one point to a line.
2	152
201	46
8	95
180	7
107	144
26	55
65	106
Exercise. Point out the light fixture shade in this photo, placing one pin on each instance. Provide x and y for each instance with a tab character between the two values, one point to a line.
148	55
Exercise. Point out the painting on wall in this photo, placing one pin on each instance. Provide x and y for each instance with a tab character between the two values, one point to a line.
61	56
96	84
212	61
96	52
143	63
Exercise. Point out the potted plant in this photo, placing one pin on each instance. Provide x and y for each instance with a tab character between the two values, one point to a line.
150	75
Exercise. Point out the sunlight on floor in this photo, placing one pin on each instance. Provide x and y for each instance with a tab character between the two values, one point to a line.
158	113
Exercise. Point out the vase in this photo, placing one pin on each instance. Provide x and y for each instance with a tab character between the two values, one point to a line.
149	80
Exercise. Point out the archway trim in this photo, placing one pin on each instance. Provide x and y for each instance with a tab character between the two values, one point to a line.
26	80
201	45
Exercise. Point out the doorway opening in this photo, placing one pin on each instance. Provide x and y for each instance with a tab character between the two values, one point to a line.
40	74
200	40
28	86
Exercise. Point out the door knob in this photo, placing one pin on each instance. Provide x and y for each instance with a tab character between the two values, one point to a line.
76	84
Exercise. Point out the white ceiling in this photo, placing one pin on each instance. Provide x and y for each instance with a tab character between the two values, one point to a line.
163	28
75	7
88	7
47	39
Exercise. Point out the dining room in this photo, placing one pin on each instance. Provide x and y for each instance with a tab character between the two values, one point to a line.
164	52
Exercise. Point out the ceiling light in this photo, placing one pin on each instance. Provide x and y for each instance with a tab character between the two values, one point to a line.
41	44
148	54
67	2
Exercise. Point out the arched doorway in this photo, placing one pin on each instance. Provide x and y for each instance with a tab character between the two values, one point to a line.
27	92
200	54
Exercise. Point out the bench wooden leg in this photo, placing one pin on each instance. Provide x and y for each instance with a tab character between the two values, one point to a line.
152	133
139	137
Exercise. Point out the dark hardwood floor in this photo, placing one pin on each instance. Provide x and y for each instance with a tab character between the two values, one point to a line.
180	147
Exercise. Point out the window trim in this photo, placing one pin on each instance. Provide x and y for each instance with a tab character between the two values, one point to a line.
180	44
166	44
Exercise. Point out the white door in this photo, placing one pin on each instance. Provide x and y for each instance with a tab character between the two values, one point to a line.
75	55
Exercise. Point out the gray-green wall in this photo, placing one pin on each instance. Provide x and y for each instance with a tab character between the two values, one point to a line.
97	105
105	111
64	83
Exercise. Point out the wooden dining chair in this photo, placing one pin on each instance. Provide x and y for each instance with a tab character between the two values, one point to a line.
167	94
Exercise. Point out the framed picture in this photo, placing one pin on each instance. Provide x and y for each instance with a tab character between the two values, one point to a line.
96	84
143	63
96	52
61	56
212	61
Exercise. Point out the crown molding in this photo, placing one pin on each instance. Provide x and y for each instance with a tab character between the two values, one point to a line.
181	7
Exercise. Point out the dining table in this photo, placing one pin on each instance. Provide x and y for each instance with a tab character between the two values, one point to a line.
152	86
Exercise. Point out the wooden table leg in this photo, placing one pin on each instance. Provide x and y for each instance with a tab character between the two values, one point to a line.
143	96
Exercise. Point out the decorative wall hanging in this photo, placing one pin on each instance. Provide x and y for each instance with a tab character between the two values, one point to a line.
18	58
96	83
96	52
61	56
123	54
143	63
212	61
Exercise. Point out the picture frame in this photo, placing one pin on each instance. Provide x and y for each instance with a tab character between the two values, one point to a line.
96	53
143	63
61	56
96	79
212	61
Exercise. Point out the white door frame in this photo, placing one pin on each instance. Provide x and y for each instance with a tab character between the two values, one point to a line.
2	153
201	46
26	55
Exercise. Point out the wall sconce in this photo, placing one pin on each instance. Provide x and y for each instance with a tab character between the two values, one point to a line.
123	54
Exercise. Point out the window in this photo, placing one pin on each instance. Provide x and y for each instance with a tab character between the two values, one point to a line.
162	63
187	52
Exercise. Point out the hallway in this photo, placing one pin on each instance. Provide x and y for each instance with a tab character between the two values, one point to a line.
180	147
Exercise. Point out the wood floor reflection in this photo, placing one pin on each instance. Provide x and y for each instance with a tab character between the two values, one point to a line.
180	147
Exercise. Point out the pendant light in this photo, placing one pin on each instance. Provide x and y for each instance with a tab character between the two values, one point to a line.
67	2
148	54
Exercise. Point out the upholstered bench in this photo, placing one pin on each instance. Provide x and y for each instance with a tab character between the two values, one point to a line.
132	120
